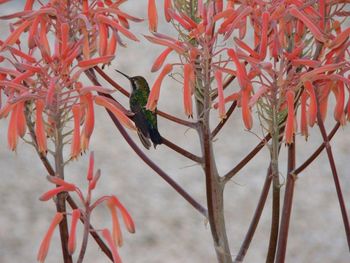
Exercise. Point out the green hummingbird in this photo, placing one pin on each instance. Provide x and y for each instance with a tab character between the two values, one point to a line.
145	120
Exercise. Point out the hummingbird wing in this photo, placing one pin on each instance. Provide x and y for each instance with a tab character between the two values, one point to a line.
142	128
154	135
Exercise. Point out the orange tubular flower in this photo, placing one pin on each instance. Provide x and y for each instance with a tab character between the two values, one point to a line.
244	46
160	60
66	187
129	223
241	72
33	32
12	133
94	61
246	112
40	128
219	6
116	231
290	117
72	233
167	6
102	101
230	4
115	25
340	39
29	5
86	44
89	120
112	44
93	182
12	39
64	37
188	81
322	11
107	236
75	146
264	31
21	119
155	91
90	173
308	23
45	244
103	39
51	92
152	16
313	103
303	116
44	42
221	104
340	103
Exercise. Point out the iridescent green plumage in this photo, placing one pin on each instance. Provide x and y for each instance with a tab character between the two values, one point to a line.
145	120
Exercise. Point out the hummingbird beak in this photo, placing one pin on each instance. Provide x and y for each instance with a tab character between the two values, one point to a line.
123	74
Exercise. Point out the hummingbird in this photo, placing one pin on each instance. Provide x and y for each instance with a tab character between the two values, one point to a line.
145	120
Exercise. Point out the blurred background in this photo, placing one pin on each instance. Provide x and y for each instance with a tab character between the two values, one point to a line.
167	228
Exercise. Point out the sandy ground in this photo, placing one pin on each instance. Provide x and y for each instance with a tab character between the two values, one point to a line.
168	229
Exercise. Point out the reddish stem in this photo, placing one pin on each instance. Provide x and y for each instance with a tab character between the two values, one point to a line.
256	218
334	173
287	206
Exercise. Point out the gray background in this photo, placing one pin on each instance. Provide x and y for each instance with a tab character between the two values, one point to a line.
168	229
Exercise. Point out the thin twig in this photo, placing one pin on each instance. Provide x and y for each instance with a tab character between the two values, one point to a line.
246	159
256	218
317	152
182	151
223	122
334	173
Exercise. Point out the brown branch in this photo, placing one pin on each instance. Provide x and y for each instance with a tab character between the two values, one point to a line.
275	219
304	165
246	159
287	206
256	218
223	122
182	151
334	173
127	94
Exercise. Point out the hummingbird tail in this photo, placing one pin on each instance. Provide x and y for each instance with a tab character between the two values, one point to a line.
156	138
145	141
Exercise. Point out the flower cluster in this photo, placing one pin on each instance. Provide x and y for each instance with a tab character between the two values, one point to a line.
298	56
42	59
114	239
